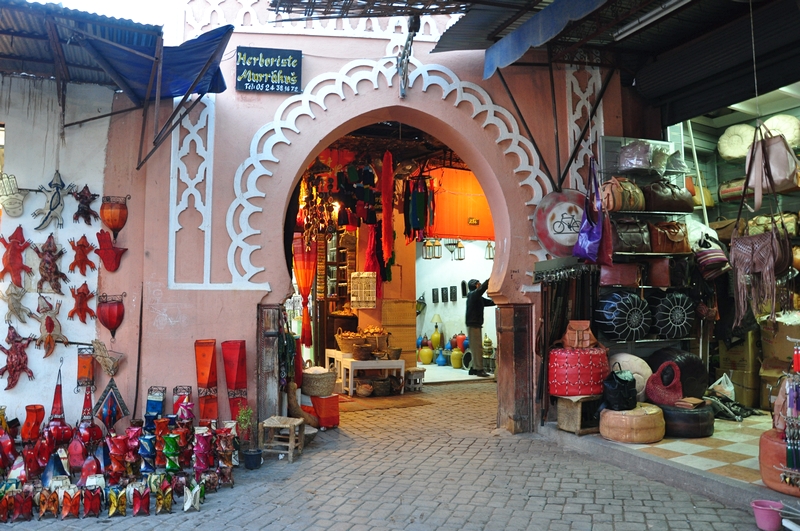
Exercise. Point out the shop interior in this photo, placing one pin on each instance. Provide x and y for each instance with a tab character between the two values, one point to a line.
755	354
444	238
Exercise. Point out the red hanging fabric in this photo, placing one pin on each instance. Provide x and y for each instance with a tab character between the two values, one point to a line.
305	267
387	201
371	264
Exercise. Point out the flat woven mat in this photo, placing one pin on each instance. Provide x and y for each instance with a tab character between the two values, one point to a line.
382	402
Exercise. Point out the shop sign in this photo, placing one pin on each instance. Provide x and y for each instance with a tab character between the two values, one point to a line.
268	69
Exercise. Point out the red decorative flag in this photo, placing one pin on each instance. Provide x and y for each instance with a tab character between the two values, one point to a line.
387	204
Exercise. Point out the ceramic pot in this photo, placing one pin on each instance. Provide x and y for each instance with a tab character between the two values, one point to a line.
455	358
426	355
436	339
460	338
441	361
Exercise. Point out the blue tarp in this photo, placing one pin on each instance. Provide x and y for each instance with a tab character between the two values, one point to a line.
181	64
536	31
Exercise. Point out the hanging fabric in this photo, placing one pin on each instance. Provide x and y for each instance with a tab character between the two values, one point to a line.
371	264
387	201
305	266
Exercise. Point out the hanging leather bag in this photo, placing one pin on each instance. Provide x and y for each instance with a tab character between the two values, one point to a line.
663	196
664	394
579	335
732	191
771	151
724	228
669	237
758	260
618	193
626	275
630	236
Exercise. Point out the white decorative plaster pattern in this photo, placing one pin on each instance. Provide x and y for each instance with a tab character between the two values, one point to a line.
255	16
579	103
421	77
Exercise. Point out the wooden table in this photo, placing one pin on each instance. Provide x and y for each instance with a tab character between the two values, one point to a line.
335	356
349	366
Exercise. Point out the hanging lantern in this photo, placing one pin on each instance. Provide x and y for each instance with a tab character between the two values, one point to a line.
427	250
85	368
90	433
110	312
110	407
56	425
437	249
459	250
489	253
114	213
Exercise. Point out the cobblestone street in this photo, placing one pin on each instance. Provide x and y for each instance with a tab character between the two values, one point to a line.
437	466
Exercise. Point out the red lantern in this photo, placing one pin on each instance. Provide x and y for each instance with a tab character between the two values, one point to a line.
114	213
110	311
90	432
57	425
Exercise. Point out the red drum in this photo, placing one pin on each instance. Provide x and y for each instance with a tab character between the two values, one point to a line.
577	371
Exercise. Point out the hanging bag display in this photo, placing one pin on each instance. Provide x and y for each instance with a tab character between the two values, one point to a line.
630	235
758	260
669	237
771	151
591	231
665	394
620	194
619	390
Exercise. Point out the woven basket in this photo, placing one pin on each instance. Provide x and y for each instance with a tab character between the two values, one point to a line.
362	352
378	342
381	387
346	343
318	384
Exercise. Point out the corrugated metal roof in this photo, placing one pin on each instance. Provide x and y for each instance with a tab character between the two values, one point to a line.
25	40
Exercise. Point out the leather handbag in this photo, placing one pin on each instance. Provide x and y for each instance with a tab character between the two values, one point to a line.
658	273
619	389
772	151
579	335
724	228
626	275
760	224
732	191
664	394
630	236
669	237
619	193
588	244
663	196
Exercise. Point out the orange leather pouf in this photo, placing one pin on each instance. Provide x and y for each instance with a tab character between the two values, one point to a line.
772	453
642	424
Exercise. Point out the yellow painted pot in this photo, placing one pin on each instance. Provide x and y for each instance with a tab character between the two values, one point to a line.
455	358
426	355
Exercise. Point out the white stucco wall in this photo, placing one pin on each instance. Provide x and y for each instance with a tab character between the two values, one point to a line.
34	150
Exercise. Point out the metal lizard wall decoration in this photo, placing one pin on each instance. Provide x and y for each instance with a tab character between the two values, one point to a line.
54	203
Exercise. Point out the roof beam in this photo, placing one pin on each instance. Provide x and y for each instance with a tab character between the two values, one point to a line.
59	60
513	18
42	61
112	73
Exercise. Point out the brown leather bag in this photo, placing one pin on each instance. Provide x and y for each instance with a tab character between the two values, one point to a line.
724	228
579	335
626	275
658	273
630	236
619	193
663	196
732	191
669	237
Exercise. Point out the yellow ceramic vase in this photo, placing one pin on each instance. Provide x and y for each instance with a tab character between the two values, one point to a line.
436	339
455	358
426	355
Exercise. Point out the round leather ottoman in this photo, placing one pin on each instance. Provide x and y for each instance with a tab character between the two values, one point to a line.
688	423
642	424
772	453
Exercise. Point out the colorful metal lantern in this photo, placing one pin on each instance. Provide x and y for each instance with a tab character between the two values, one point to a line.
85	367
91	433
111	312
234	356
114	213
205	353
57	425
110	408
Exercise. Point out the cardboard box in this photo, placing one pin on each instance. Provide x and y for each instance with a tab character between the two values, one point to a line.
773	340
746	386
744	353
770	372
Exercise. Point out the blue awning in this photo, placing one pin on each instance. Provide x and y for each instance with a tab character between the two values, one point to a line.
536	31
131	66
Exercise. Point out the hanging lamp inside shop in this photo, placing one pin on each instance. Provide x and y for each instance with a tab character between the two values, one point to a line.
451	246
489	253
459	250
427	250
437	249
421	304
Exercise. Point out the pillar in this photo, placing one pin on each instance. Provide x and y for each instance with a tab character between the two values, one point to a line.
517	369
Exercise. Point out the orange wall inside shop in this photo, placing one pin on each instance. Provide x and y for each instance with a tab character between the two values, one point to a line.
460	198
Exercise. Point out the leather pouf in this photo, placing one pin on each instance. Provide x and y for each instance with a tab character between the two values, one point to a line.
642	424
688	423
772	453
640	369
673	314
623	316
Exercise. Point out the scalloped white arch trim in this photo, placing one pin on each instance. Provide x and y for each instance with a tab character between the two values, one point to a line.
421	78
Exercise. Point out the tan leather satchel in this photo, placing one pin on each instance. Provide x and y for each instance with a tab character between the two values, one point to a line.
619	193
669	237
579	335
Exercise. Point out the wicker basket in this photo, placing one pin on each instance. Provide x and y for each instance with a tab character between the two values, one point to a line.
381	387
346	343
378	342
318	384
362	352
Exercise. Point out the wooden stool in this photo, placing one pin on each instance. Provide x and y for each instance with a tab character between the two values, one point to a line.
576	413
413	378
276	443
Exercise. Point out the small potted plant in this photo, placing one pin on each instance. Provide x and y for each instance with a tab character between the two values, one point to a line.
248	446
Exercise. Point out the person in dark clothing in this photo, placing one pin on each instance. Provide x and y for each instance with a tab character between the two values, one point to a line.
476	302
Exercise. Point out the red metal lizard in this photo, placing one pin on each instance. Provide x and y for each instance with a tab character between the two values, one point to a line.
82	250
82	297
49	255
17	361
13	259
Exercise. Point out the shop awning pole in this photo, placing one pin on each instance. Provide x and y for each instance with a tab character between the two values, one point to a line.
699	177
